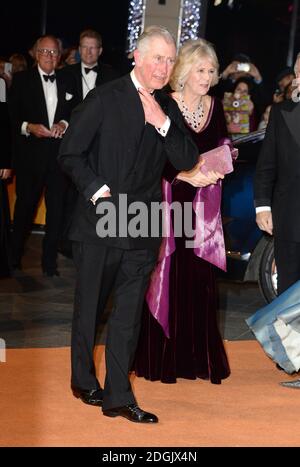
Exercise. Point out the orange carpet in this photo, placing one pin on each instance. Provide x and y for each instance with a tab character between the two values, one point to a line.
248	409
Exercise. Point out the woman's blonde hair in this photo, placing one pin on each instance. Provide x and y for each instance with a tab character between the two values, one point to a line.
193	51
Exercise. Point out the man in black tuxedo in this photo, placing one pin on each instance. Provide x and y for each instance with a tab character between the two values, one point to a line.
40	107
5	173
277	190
81	78
118	142
90	71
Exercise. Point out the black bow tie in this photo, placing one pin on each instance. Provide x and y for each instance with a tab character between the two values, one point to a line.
95	69
49	77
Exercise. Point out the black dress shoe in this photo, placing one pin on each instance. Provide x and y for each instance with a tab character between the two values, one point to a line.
92	397
51	272
133	413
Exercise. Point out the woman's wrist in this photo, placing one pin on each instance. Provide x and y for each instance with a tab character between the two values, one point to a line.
180	176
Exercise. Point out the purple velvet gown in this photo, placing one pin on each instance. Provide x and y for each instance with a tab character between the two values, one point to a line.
195	348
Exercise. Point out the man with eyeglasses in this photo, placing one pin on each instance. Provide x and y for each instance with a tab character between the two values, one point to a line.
40	108
117	144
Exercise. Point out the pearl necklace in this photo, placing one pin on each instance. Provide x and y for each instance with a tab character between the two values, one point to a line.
192	118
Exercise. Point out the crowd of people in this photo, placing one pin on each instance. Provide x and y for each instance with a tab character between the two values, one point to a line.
84	136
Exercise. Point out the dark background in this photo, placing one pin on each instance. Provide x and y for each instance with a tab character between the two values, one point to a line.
259	28
21	24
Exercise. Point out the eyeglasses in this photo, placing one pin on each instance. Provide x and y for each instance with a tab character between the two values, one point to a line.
86	47
47	52
158	60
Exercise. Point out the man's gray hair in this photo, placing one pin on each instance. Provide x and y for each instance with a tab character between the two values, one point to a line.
154	31
53	38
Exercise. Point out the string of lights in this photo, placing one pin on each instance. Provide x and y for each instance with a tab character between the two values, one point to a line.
135	22
190	20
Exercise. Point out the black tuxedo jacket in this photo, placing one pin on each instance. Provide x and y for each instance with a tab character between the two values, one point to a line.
27	104
277	178
108	143
5	145
73	77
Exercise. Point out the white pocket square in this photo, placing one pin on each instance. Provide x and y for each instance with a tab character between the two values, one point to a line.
68	96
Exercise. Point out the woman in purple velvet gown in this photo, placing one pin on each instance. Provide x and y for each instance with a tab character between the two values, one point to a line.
194	348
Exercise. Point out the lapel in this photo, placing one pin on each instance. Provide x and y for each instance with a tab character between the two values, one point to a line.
291	116
78	77
149	136
100	77
38	91
131	108
150	133
60	98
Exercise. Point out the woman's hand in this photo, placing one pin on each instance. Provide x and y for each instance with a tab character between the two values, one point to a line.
197	178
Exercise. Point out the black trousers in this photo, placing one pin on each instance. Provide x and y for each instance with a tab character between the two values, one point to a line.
287	258
5	246
99	270
29	188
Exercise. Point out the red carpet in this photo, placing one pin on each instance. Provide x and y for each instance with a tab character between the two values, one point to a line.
249	408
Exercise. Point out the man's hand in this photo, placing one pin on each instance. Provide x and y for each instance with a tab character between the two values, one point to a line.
58	130
197	178
153	112
264	221
5	173
106	194
278	97
38	130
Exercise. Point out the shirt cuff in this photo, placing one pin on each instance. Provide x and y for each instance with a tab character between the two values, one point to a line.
24	131
262	208
165	128
98	193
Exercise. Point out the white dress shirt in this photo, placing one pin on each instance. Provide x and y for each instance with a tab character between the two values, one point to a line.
88	79
50	93
262	209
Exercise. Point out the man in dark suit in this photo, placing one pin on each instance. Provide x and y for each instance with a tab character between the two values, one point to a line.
277	190
89	72
40	107
81	78
118	142
5	173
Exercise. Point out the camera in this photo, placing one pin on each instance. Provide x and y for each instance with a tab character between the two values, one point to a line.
243	67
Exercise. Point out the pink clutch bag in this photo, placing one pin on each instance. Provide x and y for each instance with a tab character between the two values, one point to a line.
218	159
